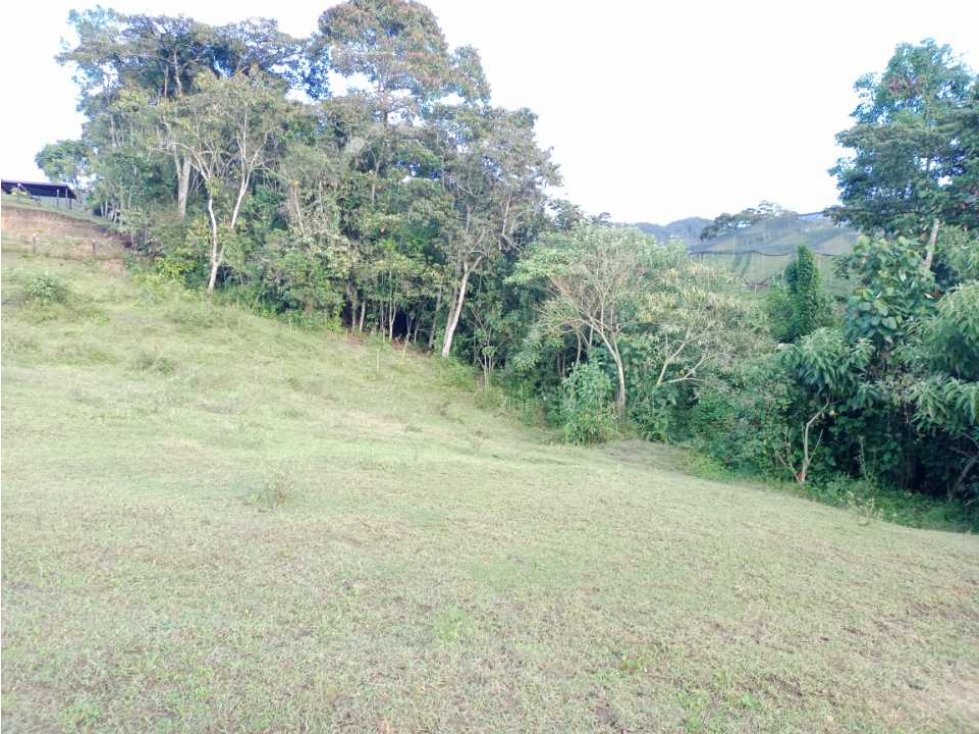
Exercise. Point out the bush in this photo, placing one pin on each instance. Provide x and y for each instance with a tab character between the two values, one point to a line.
448	372
951	337
799	306
739	421
587	411
314	321
778	305
44	289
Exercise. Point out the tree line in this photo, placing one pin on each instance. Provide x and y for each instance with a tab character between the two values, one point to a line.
362	178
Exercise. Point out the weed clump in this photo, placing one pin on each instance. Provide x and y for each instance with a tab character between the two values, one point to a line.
277	488
147	361
45	289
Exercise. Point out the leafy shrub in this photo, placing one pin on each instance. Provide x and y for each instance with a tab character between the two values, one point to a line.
778	305
705	466
586	404
739	421
314	321
893	292
952	337
45	289
957	257
491	397
656	414
799	306
184	255
449	372
156	288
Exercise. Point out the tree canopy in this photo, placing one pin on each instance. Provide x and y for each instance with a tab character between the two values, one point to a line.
364	179
913	147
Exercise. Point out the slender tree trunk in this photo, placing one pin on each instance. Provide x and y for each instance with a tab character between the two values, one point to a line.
932	239
435	320
297	207
351	294
620	394
613	348
404	347
455	312
363	315
963	475
183	184
215	252
242	190
809	454
377	174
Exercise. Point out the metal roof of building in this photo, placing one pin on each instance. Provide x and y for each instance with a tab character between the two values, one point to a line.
55	191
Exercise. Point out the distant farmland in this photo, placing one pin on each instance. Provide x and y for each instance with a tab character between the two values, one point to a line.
761	270
759	254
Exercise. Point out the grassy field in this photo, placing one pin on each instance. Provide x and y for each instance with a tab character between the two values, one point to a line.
213	522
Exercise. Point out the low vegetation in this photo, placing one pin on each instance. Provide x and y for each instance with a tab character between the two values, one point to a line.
216	521
249	483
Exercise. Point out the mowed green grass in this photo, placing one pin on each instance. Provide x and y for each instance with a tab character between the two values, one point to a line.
214	522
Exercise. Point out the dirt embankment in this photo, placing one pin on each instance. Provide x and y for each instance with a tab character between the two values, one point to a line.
57	234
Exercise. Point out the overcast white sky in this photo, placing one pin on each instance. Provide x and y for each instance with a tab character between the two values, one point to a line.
656	111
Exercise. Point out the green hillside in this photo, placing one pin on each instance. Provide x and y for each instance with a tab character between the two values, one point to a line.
759	254
214	522
781	236
687	230
761	270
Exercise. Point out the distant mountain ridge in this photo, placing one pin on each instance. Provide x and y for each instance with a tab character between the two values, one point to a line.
688	230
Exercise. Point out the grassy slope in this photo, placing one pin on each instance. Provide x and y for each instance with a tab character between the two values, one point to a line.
756	269
760	253
434	567
782	236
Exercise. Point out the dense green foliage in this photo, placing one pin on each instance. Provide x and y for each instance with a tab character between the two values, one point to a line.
394	205
586	404
889	395
45	289
362	178
663	322
65	161
915	145
800	306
